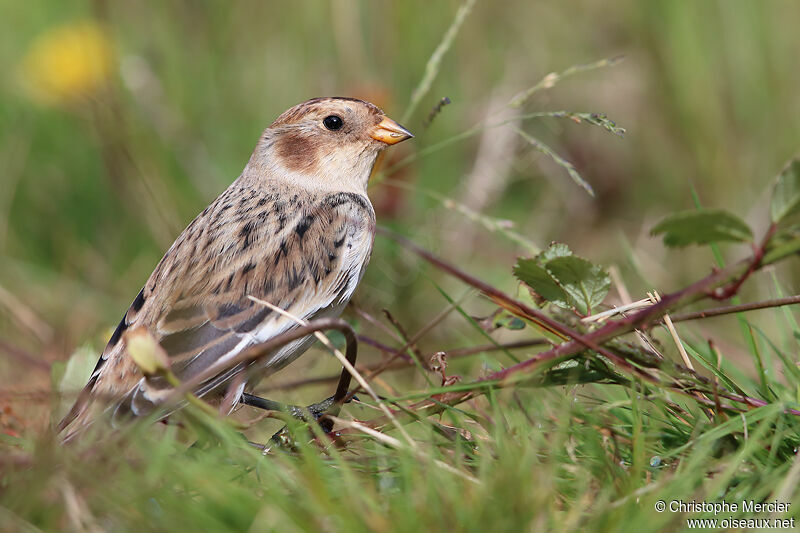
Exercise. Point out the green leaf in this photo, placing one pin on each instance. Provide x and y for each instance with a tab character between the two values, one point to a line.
786	194
702	227
555	249
539	279
586	284
564	279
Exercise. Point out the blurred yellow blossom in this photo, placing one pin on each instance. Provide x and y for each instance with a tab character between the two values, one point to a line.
67	63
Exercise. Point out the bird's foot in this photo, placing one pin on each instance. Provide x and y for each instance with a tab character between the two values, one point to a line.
312	413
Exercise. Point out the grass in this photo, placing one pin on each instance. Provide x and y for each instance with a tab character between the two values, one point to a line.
590	457
586	440
560	448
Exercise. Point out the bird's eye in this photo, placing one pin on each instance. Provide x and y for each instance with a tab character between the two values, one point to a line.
333	122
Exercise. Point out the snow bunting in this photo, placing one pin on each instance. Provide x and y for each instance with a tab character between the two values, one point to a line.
295	229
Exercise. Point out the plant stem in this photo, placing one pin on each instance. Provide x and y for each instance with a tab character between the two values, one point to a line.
712	285
731	309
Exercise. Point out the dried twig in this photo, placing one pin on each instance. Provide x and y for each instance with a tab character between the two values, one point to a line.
655	298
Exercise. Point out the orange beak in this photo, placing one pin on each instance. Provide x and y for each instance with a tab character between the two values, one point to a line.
390	132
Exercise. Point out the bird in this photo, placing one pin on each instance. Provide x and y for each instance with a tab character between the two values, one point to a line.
295	229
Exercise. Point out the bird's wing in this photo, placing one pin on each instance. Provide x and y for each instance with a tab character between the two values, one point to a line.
308	265
304	255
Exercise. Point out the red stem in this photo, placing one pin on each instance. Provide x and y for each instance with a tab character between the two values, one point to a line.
610	330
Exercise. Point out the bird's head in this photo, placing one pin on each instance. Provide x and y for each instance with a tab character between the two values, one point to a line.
326	143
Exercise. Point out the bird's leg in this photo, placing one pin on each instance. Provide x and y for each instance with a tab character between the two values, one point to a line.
316	410
283	437
328	406
313	412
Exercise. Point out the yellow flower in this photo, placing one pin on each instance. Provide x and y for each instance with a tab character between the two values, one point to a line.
67	63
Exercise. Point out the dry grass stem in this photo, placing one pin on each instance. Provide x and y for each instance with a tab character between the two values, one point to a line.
655	298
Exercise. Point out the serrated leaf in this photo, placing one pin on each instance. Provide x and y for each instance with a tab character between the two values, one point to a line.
702	227
555	249
586	284
786	194
539	279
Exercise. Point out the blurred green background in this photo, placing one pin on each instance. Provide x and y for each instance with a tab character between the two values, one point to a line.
119	121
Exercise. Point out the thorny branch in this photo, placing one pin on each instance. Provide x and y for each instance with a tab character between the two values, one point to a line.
731	309
729	280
